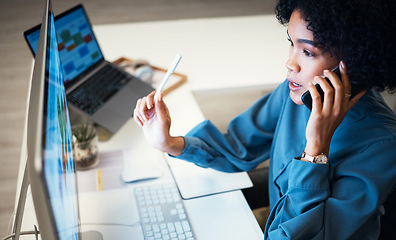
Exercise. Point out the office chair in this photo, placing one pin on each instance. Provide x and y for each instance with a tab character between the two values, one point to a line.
257	196
388	221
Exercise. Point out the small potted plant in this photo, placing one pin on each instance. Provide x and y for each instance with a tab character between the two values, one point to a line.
85	145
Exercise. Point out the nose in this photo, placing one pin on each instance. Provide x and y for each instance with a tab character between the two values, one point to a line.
292	63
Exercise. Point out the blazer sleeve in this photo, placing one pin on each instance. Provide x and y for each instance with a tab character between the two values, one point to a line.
342	201
247	142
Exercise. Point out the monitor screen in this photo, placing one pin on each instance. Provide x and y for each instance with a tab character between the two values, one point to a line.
58	163
51	168
77	45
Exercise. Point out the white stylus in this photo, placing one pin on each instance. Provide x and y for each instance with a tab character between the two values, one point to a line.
167	75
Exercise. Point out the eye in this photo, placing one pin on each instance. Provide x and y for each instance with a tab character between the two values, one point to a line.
308	54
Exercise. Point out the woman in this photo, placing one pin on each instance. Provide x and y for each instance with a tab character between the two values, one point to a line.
332	168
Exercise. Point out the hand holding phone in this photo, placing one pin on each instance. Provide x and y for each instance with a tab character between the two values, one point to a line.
307	98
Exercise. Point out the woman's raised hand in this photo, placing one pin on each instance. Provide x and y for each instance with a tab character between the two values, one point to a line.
153	116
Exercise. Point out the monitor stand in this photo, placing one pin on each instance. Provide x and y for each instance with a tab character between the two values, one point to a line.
91	235
21	205
87	235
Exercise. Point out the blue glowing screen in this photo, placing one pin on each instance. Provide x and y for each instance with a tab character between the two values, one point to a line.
59	169
77	45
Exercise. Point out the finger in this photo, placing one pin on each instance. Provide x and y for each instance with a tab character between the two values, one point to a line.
137	107
338	94
346	82
316	98
150	100
139	115
334	79
160	97
161	108
137	118
165	107
328	91
142	109
136	113
345	77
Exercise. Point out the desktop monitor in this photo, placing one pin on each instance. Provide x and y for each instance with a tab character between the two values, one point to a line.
50	163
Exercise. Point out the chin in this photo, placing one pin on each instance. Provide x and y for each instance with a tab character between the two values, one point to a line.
296	98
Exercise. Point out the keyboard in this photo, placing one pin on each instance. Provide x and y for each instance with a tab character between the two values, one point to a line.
94	92
162	213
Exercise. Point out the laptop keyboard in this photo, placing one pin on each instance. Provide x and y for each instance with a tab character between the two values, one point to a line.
93	93
162	213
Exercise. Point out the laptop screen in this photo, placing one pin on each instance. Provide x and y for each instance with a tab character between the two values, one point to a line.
77	45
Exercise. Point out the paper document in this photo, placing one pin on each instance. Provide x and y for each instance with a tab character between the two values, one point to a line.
105	176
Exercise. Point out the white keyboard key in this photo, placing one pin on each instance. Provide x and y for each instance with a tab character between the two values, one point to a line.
156	228
146	220
152	214
163	226
179	228
173	235
186	226
157	235
171	227
162	213
180	211
173	212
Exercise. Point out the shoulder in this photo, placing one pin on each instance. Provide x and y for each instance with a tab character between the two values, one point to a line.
369	128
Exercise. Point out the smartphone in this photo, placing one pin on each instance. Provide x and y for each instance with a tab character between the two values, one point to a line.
307	98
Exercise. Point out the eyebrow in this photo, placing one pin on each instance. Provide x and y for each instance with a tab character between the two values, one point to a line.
303	40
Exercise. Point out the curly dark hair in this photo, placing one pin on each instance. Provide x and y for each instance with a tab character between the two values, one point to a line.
359	32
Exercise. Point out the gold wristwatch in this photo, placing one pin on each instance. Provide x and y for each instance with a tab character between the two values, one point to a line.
320	159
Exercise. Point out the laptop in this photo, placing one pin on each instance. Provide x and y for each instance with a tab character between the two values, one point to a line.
95	88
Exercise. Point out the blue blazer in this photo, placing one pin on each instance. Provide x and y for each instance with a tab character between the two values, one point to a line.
339	200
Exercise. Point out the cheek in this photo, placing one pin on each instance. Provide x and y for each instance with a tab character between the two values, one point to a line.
309	76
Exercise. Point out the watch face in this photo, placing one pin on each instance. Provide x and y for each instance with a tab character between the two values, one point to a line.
321	159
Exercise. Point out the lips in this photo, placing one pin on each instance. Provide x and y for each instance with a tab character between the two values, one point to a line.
294	86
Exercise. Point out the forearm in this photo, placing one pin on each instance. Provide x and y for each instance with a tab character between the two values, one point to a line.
175	146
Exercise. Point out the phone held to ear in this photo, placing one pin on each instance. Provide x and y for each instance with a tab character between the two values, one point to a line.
307	98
